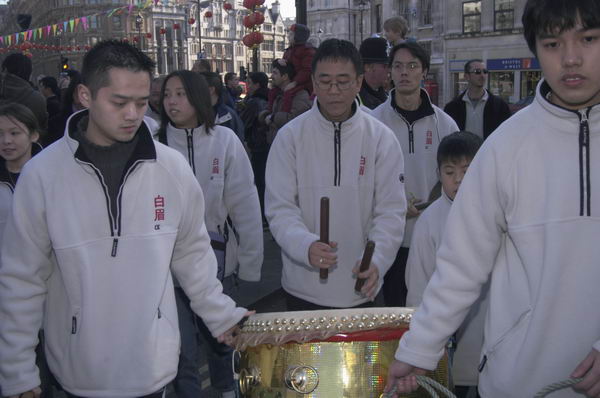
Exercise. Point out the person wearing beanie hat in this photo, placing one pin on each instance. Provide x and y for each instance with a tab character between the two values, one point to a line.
300	54
374	55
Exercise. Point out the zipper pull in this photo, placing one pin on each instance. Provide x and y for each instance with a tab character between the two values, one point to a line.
73	325
585	129
113	253
159	313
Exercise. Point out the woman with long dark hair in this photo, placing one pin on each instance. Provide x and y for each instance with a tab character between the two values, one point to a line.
221	166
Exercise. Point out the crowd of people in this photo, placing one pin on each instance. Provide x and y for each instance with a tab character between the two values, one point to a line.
123	236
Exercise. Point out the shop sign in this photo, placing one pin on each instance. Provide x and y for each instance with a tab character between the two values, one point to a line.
512	63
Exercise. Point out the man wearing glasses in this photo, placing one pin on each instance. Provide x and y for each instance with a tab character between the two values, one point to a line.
335	150
476	109
419	126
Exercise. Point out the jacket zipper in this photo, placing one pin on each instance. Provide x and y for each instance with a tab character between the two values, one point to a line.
337	153
115	222
584	165
190	148
411	139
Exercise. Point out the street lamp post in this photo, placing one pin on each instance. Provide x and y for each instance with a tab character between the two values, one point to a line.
139	21
361	6
200	5
275	15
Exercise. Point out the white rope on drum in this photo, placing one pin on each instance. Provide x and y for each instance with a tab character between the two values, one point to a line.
557	386
429	385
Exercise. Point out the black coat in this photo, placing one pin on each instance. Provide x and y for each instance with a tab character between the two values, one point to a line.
495	112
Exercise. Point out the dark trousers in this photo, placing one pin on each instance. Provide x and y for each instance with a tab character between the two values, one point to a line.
394	282
294	303
259	164
463	392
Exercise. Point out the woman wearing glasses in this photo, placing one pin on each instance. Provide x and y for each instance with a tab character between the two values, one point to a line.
476	109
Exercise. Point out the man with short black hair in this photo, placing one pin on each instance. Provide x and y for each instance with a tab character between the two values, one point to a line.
476	109
335	150
15	87
100	219
419	126
527	218
232	83
374	55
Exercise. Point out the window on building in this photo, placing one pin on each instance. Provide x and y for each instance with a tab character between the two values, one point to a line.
426	11
404	9
268	27
280	46
426	46
472	16
311	4
378	16
504	14
116	22
219	50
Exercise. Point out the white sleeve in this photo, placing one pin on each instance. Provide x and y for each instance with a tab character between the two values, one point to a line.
194	263
472	238
25	267
281	203
243	206
389	207
421	261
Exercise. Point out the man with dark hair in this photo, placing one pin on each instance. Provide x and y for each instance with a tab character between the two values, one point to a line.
255	132
274	118
419	126
335	150
225	115
395	29
476	109
49	89
97	272
374	55
527	219
232	83
201	65
15	87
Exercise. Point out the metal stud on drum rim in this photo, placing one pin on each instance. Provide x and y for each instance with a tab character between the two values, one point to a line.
302	379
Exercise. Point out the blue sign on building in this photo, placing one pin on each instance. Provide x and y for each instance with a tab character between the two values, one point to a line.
513	63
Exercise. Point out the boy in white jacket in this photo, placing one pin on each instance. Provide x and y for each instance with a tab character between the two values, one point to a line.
527	216
100	219
338	151
455	153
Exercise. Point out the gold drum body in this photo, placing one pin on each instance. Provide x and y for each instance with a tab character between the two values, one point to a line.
324	354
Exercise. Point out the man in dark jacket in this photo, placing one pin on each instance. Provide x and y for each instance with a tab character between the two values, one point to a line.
224	114
256	133
15	87
374	55
485	110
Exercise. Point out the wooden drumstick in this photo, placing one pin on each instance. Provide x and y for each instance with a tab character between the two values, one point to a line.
364	264
324	236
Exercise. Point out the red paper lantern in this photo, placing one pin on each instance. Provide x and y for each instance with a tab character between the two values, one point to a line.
259	18
176	26
191	21
259	2
257	38
136	39
148	35
29	55
247	40
249	4
87	48
162	31
208	14
227	6
125	40
78	48
247	23
70	48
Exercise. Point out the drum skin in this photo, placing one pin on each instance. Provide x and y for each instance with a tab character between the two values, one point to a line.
351	361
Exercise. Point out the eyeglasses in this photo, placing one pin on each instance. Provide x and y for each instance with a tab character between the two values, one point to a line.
342	86
411	66
479	71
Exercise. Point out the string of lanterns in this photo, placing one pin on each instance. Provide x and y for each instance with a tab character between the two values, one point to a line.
253	22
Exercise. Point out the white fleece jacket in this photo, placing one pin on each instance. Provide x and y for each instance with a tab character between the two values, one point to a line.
362	176
523	215
426	240
105	295
222	168
420	153
6	197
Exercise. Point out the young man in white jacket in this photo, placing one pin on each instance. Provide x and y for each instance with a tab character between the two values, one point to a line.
527	216
455	153
100	219
419	126
335	150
